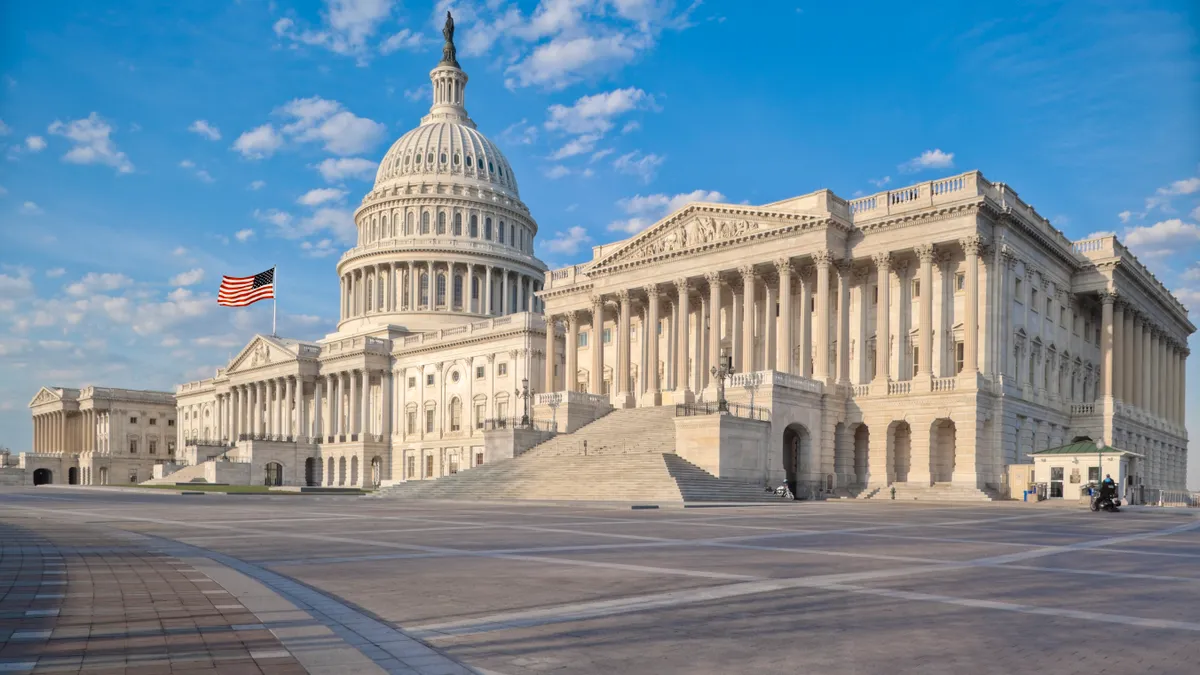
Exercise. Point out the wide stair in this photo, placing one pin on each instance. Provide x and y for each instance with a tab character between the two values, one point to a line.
187	474
630	458
934	493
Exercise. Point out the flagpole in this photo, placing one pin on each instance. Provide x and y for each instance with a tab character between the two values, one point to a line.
274	297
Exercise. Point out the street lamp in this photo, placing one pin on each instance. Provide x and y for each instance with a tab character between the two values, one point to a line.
524	394
554	400
1100	462
720	372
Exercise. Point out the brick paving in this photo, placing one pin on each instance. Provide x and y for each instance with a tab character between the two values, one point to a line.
74	601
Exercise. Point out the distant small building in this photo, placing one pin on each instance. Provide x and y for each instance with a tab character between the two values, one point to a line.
98	436
1067	469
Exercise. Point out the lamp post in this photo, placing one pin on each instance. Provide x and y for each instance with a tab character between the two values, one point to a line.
524	394
554	400
1100	462
720	372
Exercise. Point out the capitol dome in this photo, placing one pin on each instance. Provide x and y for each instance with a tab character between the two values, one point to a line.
443	238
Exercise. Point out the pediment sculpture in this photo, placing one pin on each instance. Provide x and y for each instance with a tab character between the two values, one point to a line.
691	233
261	355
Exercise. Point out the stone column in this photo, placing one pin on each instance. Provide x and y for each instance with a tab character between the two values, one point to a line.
925	252
971	246
683	393
571	376
738	312
766	328
714	321
699	343
1118	349
783	329
843	325
1128	373
596	346
883	263
1144	362
318	430
653	395
504	304
549	381
749	290
289	421
1155	370
823	260
364	403
386	419
1106	346
1182	388
625	397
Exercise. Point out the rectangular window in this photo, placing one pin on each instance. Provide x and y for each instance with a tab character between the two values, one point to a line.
960	281
1062	316
480	372
916	288
455	418
959	351
607	336
1049	306
1033	300
411	427
153	447
1094	473
429	421
133	420
583	339
916	360
502	369
170	423
480	413
412	382
429	466
479	459
429	380
1019	291
153	422
170	447
502	410
875	295
660	325
132	447
412	467
453	465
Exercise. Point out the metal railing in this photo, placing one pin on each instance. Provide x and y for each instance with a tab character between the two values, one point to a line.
276	438
208	442
712	408
519	423
1160	497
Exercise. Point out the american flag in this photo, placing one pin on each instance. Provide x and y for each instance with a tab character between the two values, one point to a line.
242	291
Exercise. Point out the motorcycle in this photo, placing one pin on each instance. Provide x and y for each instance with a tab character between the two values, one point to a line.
783	492
1106	503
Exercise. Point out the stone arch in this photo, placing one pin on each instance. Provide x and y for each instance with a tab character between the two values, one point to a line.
354	470
797	445
376	471
330	473
273	474
899	451
843	455
73	476
942	439
341	471
312	471
862	454
43	477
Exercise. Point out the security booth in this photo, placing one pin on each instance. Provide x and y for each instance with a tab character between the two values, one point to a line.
1068	470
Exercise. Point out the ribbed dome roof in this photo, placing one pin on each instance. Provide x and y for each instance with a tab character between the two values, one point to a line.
437	150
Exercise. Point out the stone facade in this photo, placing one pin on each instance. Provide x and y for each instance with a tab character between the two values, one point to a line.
99	435
438	329
930	334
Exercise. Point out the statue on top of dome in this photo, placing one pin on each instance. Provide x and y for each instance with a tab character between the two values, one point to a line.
449	54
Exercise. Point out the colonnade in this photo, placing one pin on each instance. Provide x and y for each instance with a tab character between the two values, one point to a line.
50	432
435	285
1143	365
332	407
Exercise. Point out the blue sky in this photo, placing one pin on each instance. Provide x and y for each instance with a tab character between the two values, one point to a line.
151	147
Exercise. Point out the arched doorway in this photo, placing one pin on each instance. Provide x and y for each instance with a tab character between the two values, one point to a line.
312	466
376	471
43	477
843	456
795	448
341	471
330	473
862	447
274	474
73	476
354	470
901	451
103	475
941	451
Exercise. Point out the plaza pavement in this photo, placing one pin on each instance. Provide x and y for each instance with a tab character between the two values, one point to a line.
167	583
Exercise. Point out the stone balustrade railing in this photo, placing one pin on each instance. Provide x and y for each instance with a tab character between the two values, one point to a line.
945	384
903	387
464	243
860	389
1083	408
561	397
528	320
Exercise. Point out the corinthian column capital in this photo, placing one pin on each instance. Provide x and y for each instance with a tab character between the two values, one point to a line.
783	266
747	272
925	253
972	245
823	258
882	260
651	291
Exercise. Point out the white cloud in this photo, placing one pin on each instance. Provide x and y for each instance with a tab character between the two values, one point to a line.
567	243
1163	238
35	143
93	283
257	185
91	143
55	273
1190	297
519	133
313	120
1162	196
188	278
601	154
243	235
179	250
16	286
1102	233
1192	273
930	159
347	27
4	129
274	217
405	39
320	249
636	164
595	113
3	191
1125	215
1195	214
880	182
567	60
31	209
259	142
631	126
646	210
55	345
320	196
170	341
557	171
421	93
576	146
198	173
205	129
338	222
335	170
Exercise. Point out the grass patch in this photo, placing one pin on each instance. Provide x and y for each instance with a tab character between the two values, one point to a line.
234	489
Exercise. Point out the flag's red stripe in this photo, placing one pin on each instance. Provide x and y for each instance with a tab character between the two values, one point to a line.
246	300
265	290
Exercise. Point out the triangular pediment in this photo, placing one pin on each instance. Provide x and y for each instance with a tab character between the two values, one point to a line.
261	351
45	395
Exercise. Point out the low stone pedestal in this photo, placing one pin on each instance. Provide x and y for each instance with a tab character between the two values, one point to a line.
507	443
570	409
725	446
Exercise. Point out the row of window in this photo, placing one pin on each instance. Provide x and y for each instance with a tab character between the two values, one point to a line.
378	288
410	416
512	234
452	463
415	161
153	421
152	447
480	373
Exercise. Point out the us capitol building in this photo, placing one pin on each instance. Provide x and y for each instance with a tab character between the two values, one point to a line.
925	337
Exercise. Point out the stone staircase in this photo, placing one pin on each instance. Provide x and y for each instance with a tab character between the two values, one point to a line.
940	492
630	457
187	474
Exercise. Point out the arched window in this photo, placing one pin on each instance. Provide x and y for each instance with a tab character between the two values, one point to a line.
475	226
274	474
474	287
341	470
455	414
487	229
458	291
441	222
379	292
329	474
408	228
458	224
423	290
354	470
521	245
424	222
386	233
501	232
370	295
441	289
